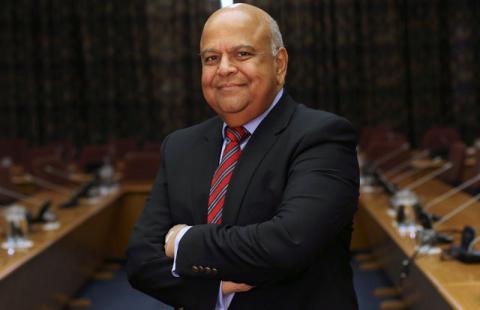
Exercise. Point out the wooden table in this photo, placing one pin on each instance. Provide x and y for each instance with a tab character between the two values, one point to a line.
45	276
431	283
61	261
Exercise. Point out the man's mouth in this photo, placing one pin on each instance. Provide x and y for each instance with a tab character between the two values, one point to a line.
230	86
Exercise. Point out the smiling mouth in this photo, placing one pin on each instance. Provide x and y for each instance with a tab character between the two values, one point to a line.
230	86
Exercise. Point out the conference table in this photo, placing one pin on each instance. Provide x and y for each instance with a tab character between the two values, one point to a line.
61	261
46	275
431	282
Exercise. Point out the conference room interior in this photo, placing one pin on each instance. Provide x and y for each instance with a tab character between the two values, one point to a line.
89	90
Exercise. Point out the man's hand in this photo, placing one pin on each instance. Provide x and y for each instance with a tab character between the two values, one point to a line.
232	287
170	239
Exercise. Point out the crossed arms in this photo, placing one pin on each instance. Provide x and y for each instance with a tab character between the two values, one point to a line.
319	199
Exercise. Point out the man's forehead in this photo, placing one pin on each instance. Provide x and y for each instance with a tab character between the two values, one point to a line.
236	29
230	42
232	20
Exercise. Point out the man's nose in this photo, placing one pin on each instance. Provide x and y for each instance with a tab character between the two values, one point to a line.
226	67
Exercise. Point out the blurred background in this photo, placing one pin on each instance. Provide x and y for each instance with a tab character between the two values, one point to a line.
86	72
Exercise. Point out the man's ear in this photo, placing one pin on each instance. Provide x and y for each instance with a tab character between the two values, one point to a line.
281	61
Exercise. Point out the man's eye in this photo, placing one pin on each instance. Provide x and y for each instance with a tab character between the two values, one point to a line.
243	54
210	59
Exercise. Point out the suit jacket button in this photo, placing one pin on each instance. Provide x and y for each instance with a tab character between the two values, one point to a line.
208	270
195	269
201	268
214	271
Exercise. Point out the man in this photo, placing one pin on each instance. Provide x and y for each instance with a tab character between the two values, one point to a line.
251	209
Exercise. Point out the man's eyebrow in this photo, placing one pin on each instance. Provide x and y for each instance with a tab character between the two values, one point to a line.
236	47
243	46
208	50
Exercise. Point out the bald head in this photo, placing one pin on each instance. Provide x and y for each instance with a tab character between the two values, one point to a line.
243	62
257	16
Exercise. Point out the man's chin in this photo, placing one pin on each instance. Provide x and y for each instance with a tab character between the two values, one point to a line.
231	107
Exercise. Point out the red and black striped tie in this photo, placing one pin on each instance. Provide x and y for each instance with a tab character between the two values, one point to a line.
223	174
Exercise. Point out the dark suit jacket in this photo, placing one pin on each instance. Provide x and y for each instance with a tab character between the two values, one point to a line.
286	221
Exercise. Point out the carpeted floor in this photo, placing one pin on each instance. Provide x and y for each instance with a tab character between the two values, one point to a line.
116	293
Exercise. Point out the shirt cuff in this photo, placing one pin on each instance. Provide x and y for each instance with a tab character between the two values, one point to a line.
223	301
178	237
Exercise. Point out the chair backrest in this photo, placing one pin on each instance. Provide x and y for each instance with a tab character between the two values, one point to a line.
94	155
456	156
152	147
123	146
369	135
14	149
141	166
50	150
439	139
66	150
6	183
390	151
475	188
52	169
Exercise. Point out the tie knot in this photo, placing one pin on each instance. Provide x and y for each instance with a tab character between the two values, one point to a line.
236	134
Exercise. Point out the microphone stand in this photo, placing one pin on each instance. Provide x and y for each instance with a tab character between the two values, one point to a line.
406	163
429	176
58	173
406	196
43	215
79	193
18	196
465	252
458	209
49	185
452	192
392	154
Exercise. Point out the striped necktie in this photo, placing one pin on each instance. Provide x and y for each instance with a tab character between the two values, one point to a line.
223	174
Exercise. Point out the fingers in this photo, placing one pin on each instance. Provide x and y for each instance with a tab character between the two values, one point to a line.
170	239
242	287
232	287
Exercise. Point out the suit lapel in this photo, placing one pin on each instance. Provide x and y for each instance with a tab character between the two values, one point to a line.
260	143
206	155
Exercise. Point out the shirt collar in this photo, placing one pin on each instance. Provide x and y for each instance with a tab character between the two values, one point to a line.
252	125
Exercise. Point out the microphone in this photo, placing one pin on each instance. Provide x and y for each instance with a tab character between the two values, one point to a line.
406	174
406	196
429	176
458	209
404	164
57	172
428	235
386	157
18	196
427	219
49	185
81	192
387	186
452	192
465	252
42	215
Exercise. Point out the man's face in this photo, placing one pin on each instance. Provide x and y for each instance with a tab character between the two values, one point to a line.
239	73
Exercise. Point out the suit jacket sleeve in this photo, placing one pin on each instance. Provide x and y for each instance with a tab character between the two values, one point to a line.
319	201
149	270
